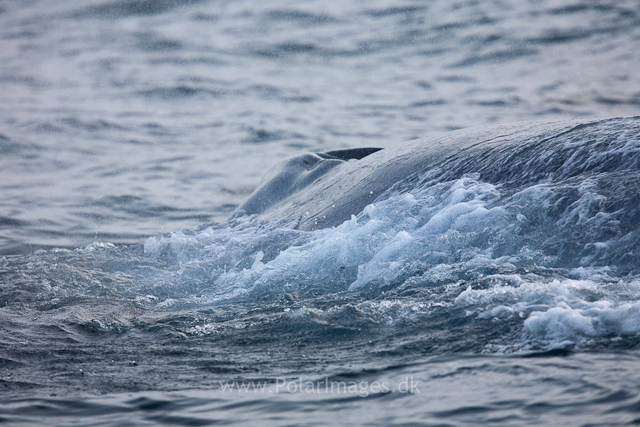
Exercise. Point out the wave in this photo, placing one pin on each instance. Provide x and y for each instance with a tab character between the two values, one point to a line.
535	249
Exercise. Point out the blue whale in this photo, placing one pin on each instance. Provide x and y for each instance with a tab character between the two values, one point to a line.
320	190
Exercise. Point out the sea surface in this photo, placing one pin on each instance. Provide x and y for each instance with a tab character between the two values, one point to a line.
131	130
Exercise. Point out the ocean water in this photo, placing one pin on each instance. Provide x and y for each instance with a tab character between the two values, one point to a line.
131	130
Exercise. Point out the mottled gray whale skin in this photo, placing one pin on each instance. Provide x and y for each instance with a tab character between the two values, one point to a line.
324	189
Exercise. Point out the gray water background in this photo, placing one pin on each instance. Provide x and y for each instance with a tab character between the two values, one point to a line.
120	120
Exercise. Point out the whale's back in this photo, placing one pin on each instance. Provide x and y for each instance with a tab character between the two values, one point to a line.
323	190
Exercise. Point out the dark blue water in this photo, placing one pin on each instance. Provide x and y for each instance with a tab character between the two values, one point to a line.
131	130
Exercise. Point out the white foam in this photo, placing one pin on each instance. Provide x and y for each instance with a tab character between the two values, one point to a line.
585	319
559	312
438	234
